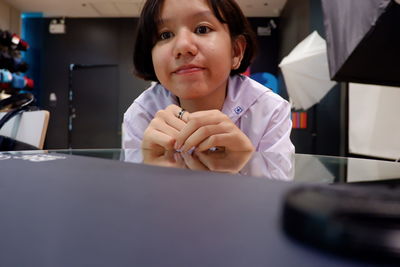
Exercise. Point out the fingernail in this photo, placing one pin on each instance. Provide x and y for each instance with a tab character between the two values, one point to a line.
176	157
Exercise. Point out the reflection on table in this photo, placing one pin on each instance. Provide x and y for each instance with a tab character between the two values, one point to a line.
302	168
268	165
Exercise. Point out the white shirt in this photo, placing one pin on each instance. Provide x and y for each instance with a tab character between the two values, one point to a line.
257	111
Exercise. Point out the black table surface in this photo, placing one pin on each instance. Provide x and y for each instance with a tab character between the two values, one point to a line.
90	208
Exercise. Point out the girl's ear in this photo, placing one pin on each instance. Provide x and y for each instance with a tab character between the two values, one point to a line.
238	48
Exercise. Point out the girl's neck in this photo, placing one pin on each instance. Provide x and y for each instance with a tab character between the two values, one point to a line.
215	100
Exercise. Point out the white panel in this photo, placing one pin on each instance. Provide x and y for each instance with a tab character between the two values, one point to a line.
33	127
364	170
28	127
374	124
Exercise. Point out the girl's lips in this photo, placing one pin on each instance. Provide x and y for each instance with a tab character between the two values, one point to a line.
188	69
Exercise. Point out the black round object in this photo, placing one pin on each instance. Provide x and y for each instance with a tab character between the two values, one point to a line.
353	220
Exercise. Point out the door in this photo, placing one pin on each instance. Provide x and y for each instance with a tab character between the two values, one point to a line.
93	107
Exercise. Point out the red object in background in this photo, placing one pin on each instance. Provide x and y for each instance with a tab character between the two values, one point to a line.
15	39
299	120
4	85
29	83
247	72
23	45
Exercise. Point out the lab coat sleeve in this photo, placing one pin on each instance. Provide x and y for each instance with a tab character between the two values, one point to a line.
276	137
136	120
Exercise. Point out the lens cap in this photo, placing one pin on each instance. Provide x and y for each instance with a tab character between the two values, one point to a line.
351	220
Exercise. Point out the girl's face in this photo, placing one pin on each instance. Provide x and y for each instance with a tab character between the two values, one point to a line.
194	53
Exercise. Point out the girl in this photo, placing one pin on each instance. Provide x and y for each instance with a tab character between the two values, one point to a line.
195	51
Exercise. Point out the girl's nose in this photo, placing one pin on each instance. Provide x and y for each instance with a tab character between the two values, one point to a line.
185	44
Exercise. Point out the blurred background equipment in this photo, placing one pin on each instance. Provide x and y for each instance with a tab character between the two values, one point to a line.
267	79
22	126
363	40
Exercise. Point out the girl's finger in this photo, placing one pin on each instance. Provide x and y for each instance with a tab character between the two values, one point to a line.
162	126
171	117
154	139
232	141
197	120
203	133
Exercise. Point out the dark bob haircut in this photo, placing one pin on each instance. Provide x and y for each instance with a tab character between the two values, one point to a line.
226	11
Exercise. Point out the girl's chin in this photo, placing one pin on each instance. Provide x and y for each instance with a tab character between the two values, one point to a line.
191	92
190	97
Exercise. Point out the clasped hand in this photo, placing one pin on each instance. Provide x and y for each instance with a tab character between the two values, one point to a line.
201	130
219	161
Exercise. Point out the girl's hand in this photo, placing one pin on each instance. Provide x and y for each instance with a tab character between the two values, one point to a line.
230	162
163	129
218	161
211	128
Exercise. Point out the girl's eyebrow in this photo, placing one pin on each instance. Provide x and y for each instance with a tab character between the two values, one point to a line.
198	15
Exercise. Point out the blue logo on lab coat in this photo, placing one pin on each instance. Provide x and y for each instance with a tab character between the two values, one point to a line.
238	110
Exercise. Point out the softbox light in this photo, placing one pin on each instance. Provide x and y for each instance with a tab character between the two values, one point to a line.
305	71
363	40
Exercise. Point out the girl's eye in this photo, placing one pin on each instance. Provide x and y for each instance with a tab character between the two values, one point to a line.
202	30
165	35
